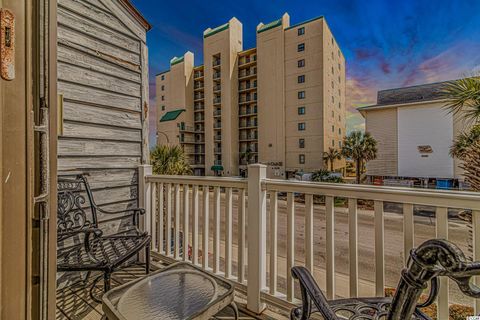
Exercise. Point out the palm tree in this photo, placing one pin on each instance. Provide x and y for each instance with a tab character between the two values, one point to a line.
360	147
330	156
463	98
169	160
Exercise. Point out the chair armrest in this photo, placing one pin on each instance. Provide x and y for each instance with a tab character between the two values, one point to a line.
310	292
134	210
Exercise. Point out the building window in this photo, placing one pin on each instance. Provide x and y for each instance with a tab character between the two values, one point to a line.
339	144
332	56
333	143
163	98
333	70
332	40
301	110
163	88
163	77
301	158
301	47
163	108
339	118
333	85
340	131
301	126
301	143
301	94
301	79
333	114
333	128
301	31
301	63
333	99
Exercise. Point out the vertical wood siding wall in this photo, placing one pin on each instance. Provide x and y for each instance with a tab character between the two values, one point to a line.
103	77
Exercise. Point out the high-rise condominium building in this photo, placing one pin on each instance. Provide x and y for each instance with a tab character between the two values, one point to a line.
281	103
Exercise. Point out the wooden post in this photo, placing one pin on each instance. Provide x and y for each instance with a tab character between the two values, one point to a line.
144	201
256	235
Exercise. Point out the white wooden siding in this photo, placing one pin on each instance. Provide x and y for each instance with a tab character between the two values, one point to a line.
101	72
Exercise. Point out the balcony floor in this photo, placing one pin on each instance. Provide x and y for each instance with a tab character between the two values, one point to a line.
74	302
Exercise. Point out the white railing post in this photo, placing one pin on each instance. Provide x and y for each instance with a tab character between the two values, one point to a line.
144	195
144	200
256	235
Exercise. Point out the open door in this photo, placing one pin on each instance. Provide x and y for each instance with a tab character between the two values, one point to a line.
27	159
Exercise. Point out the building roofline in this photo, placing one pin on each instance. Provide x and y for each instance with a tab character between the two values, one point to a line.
270	25
162	72
136	14
397	105
305	22
210	32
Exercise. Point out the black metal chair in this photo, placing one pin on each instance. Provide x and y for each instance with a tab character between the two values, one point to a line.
82	246
433	259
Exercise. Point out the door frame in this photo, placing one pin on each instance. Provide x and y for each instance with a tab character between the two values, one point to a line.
21	283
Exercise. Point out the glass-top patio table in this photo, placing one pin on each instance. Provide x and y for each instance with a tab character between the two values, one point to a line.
179	291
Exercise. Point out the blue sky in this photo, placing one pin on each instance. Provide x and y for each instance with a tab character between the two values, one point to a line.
386	44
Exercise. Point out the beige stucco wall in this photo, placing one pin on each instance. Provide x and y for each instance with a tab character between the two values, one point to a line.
227	44
178	94
271	96
322	58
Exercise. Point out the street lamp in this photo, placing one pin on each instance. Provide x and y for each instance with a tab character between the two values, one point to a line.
165	135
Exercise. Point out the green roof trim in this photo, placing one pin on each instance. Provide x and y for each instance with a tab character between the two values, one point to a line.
216	30
270	25
217	168
176	60
171	115
304	22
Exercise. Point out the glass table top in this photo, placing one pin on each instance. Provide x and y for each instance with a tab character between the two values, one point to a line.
180	291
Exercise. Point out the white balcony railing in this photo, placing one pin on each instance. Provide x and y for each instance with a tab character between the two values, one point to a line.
176	205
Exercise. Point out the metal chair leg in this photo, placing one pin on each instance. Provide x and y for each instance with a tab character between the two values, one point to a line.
147	259
233	306
106	282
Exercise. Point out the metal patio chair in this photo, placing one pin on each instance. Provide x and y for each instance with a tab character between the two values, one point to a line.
82	246
431	260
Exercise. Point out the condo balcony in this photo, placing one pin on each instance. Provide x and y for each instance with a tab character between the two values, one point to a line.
217	150
216	75
217	125
198	85
197	97
217	87
217	100
185	128
244	74
218	162
216	62
199	117
247	87
217	137
199	107
198	74
217	113
187	140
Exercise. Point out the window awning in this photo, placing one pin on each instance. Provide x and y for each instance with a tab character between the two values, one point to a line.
171	115
217	168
